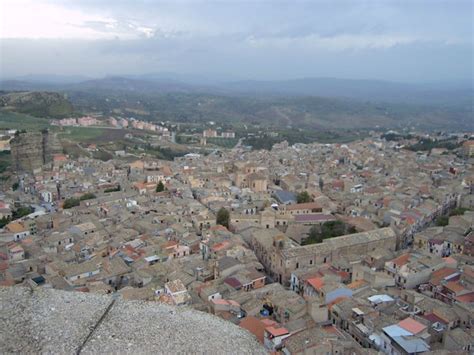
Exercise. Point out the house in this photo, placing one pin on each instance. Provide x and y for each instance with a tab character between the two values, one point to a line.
85	270
459	340
18	230
144	187
273	337
177	292
395	339
209	133
137	167
254	326
327	290
15	252
257	182
47	196
222	305
83	229
417	270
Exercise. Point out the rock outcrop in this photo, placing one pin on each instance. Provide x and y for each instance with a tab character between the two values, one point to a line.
32	150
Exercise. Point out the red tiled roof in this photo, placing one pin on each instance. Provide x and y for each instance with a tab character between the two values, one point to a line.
59	157
276	332
304	206
218	227
455	286
233	282
433	318
440	274
337	300
412	325
220	246
357	284
316	282
467	298
401	260
268	322
254	326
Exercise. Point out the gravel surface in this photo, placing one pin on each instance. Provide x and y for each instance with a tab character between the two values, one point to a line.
133	326
53	321
46	320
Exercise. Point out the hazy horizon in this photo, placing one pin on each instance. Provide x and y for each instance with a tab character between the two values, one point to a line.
413	42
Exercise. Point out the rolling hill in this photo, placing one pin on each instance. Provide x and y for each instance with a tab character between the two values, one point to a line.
37	103
305	103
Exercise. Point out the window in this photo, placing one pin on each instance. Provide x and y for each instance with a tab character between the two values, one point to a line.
297	265
311	262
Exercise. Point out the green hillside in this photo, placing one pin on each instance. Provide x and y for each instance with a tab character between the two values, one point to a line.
39	104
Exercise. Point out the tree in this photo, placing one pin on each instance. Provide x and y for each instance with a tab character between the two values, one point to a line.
160	187
321	183
15	186
303	197
442	221
328	230
87	196
113	189
458	211
333	229
71	202
4	221
22	212
315	236
223	217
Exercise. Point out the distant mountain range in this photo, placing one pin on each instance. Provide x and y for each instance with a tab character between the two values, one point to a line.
312	102
365	90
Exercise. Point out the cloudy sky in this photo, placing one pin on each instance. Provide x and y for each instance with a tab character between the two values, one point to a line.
410	40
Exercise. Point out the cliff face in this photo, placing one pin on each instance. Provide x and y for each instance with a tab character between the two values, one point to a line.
32	150
51	146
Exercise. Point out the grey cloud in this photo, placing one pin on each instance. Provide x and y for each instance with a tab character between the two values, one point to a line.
393	40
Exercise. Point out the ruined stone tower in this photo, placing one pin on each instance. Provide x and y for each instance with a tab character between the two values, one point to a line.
32	150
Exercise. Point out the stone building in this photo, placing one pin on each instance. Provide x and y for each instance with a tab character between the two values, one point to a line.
288	257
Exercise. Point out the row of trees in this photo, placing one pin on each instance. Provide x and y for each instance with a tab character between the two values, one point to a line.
442	221
73	201
327	230
16	214
113	189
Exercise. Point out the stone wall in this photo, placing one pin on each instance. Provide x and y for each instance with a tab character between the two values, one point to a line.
289	260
